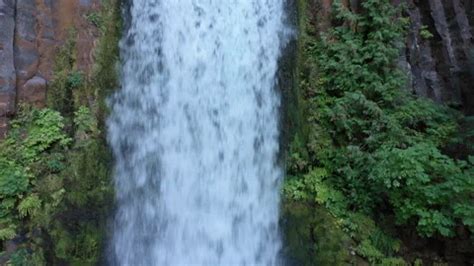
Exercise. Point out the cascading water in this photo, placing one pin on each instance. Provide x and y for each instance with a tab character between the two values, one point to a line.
194	131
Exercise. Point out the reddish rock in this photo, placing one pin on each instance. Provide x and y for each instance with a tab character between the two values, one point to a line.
45	38
31	32
7	103
26	50
33	92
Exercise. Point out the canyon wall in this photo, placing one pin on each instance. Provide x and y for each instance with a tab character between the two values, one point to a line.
32	32
438	53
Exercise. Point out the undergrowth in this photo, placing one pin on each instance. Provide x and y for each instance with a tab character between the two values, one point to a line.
371	151
55	165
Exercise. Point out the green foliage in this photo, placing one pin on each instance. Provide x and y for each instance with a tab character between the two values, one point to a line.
366	250
314	236
104	76
85	123
426	185
33	137
75	79
19	258
29	205
95	18
13	179
44	176
425	33
60	90
369	144
55	186
42	129
313	187
378	144
393	262
7	231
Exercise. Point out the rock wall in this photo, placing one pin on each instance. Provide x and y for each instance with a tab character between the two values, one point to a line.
7	67
441	66
31	33
439	50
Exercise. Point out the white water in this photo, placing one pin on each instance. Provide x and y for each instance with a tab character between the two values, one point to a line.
194	131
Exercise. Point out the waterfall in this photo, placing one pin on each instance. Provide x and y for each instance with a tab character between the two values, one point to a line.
194	131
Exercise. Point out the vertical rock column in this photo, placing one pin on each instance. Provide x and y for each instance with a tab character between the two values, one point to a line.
464	13
7	66
31	31
31	85
449	51
424	76
442	65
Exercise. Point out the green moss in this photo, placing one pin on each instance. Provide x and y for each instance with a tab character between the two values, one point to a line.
59	94
296	129
87	178
104	74
314	237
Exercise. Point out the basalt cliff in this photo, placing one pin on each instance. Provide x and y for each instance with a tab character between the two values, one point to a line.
438	53
31	33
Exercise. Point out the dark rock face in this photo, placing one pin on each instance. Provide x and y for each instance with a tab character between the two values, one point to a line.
7	67
33	91
442	64
26	51
30	33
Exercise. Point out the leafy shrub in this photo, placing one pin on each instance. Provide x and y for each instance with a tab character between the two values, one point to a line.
371	145
75	79
95	18
425	33
23	156
55	189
